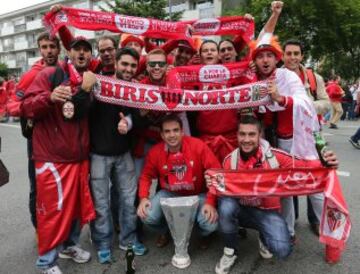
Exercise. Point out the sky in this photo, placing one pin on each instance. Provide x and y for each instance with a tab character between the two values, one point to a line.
18	4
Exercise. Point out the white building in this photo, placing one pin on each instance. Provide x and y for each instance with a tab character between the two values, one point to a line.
19	29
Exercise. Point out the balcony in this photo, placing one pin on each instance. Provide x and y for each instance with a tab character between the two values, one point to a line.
36	24
21	45
7	30
9	47
19	28
11	64
32	60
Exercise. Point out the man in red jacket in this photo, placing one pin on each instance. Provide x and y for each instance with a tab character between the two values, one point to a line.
335	93
256	212
58	101
177	152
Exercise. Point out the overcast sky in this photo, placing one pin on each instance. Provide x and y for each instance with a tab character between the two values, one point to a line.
11	5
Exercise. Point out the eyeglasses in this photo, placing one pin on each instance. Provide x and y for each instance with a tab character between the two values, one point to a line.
222	50
153	64
102	51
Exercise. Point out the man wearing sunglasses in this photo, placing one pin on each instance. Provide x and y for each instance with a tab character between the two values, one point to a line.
149	133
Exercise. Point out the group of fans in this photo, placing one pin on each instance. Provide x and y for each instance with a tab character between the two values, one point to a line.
71	135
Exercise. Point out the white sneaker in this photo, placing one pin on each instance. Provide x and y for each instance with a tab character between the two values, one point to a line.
226	262
264	252
75	253
52	270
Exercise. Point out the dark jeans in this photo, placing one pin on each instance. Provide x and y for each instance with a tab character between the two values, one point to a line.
310	211
270	224
31	175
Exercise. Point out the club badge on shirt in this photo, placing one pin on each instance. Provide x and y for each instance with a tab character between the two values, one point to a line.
180	172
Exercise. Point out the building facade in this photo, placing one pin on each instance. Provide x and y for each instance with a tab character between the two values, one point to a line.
19	29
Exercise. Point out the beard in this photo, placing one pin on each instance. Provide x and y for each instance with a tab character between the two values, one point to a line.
246	155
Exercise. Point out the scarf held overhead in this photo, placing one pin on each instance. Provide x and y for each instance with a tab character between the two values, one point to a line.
118	92
97	20
335	222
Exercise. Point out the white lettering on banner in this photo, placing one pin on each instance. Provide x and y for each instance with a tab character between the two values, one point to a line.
211	25
162	98
298	180
214	73
131	24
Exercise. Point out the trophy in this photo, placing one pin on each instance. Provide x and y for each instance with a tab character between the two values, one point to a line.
180	215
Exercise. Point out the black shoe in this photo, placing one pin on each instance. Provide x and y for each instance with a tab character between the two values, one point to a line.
333	126
315	228
355	144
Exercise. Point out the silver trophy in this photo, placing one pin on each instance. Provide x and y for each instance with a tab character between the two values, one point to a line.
180	213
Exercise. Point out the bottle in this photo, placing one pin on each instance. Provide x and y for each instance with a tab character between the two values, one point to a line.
321	147
130	263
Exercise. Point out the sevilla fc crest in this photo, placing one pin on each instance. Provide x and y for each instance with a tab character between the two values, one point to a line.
335	218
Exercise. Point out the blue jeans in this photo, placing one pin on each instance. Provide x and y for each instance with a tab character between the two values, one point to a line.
270	224
120	172
49	258
156	219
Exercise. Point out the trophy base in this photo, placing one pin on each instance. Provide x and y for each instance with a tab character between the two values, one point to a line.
181	261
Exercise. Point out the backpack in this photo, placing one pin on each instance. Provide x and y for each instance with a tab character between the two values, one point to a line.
312	81
269	156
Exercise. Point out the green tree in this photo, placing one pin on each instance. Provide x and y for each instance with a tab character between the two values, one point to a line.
329	29
4	70
143	8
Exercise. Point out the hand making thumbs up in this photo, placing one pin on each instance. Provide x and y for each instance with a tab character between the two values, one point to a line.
123	124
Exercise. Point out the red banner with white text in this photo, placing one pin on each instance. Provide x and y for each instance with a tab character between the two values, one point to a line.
335	223
136	95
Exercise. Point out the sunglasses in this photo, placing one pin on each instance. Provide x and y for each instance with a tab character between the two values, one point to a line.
153	64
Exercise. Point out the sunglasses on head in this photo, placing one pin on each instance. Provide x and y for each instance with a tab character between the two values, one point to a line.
153	64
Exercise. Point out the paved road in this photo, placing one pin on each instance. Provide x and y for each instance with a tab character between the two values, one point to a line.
18	243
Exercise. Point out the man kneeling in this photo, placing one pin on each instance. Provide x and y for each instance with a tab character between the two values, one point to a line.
259	213
179	163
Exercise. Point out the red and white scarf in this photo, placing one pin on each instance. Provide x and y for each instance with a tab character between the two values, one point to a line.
335	222
194	76
225	25
97	20
118	92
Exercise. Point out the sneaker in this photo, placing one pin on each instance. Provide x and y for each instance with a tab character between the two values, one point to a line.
226	262
52	270
139	249
264	251
75	253
104	256
355	144
333	126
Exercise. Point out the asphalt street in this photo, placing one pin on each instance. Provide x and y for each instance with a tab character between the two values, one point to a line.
18	242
